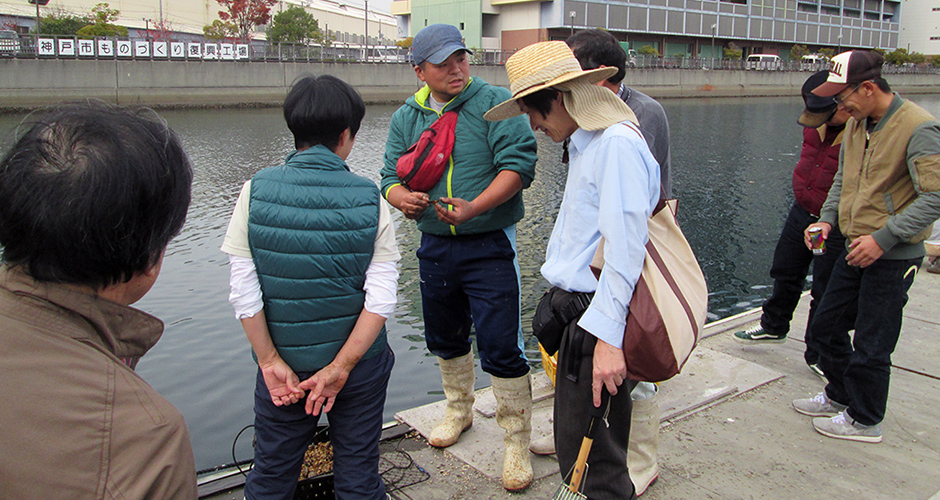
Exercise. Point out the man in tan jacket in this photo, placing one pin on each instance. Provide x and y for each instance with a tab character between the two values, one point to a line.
90	195
884	198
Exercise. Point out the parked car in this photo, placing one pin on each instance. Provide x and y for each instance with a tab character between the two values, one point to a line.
631	58
763	61
814	62
9	43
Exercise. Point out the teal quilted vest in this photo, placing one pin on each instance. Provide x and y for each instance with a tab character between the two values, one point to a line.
311	229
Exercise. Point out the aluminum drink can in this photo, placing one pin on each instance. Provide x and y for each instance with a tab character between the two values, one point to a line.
817	241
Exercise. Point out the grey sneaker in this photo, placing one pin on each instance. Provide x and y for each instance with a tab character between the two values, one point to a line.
757	335
818	406
842	426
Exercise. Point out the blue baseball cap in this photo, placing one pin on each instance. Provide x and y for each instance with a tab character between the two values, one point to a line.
436	43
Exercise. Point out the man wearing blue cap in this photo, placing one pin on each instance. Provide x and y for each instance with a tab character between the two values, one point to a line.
467	258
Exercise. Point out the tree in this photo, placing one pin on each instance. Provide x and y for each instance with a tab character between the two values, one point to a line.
295	25
102	18
647	50
246	14
798	51
62	23
220	30
405	43
898	57
828	52
732	51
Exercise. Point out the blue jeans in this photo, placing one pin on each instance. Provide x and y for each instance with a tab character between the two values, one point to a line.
283	433
789	270
859	369
473	281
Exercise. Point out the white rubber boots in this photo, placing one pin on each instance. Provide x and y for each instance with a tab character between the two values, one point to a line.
643	450
457	378
513	414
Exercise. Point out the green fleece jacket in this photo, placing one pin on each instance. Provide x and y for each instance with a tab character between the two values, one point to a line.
481	150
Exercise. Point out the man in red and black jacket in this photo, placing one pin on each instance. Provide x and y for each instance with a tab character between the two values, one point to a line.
812	178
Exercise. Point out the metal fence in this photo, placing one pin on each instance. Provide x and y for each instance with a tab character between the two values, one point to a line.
129	48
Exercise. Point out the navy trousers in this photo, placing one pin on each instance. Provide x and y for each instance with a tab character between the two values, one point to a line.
789	269
473	281
859	369
283	433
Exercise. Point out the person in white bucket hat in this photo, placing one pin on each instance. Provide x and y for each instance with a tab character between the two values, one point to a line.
612	188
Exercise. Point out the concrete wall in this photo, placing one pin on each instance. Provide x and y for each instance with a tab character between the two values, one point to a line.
30	83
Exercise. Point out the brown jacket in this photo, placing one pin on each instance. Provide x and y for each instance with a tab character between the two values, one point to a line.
75	420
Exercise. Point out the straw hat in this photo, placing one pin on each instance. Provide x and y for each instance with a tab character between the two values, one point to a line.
540	66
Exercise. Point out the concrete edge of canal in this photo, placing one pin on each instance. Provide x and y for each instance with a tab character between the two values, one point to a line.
30	83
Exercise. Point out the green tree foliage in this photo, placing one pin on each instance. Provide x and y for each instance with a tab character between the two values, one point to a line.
934	61
102	18
246	14
647	50
828	52
295	25
62	23
405	43
220	30
798	51
917	58
731	51
897	57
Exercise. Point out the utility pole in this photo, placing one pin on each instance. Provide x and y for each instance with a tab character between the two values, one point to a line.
366	17
572	14
38	3
714	29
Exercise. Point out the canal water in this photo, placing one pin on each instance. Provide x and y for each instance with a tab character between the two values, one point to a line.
732	164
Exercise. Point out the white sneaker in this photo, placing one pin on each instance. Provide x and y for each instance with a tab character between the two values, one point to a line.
818	406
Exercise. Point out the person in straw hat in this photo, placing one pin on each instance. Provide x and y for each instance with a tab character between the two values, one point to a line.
612	188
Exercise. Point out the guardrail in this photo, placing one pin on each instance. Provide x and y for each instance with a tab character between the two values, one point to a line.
128	48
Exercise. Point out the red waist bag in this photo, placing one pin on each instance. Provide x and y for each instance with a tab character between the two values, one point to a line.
424	162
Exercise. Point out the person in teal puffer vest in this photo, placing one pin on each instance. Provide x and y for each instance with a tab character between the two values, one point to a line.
467	258
313	279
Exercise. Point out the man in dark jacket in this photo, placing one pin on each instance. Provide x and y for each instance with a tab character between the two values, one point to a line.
819	159
90	196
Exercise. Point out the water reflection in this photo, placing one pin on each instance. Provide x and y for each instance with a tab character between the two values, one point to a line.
732	164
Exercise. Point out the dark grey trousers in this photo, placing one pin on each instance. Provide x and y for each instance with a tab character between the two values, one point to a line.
607	477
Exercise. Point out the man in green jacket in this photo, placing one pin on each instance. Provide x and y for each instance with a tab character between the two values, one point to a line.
467	258
884	198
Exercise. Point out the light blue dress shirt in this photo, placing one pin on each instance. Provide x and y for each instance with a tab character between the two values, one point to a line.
612	188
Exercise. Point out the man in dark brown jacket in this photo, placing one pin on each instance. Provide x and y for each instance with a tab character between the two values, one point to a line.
90	196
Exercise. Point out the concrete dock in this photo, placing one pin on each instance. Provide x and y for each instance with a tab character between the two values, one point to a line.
728	429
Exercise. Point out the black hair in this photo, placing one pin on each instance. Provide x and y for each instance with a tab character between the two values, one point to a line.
541	101
882	84
319	109
91	194
595	48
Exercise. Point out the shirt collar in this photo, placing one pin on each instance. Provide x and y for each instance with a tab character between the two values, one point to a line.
580	139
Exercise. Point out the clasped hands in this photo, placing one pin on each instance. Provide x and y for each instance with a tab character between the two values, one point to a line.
286	388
